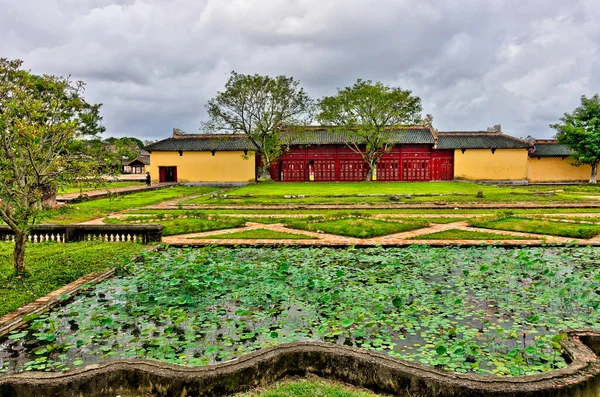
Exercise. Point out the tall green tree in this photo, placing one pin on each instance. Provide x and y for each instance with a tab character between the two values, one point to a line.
42	122
368	112
260	107
580	131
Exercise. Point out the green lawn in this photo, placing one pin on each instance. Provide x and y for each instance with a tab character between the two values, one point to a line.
457	234
361	228
540	226
347	188
308	388
53	265
101	186
188	225
421	192
258	234
81	212
446	210
438	220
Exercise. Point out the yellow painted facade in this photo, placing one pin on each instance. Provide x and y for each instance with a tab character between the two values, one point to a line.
555	169
224	166
482	165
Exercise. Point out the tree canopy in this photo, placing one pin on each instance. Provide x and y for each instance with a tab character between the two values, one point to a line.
43	120
580	131
369	112
259	106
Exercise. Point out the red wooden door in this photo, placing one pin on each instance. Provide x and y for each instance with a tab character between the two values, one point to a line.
293	170
388	166
415	169
442	165
352	170
416	163
324	170
162	174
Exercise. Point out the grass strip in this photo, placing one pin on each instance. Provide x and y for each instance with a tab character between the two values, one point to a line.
539	226
54	265
186	225
259	234
81	212
357	227
457	234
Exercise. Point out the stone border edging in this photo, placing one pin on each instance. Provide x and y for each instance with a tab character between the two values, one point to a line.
371	370
407	243
15	319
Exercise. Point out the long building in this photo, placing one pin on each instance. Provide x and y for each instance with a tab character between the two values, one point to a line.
320	154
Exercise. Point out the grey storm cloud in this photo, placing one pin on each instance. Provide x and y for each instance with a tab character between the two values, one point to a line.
155	63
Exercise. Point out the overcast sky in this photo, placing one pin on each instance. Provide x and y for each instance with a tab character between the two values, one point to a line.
155	63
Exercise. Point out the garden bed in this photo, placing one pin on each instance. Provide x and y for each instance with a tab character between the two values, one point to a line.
486	310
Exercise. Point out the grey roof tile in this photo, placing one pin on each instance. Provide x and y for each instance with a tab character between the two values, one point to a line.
202	143
334	136
549	149
479	140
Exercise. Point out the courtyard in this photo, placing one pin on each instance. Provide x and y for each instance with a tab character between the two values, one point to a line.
466	278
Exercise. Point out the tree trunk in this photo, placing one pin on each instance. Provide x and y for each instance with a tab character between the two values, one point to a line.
266	172
19	253
372	172
594	176
48	196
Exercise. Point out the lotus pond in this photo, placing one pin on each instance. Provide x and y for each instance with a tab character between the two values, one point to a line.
488	310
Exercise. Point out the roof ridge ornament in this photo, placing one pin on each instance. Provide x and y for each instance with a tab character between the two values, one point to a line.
495	128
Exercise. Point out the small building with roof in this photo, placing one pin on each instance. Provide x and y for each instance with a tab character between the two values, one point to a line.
321	154
550	161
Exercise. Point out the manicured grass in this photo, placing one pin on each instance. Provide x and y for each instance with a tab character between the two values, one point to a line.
53	265
101	186
445	210
309	388
421	192
438	220
593	219
258	234
347	188
273	220
81	212
540	226
361	228
457	234
187	225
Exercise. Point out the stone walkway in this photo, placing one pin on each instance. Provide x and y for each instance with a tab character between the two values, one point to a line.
398	239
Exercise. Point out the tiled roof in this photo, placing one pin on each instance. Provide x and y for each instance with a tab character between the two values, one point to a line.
478	140
307	136
549	149
324	136
202	143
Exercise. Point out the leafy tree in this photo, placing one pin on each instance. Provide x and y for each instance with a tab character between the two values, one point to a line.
42	119
369	112
580	131
129	147
259	106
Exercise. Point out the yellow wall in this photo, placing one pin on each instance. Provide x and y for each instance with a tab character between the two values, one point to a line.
204	167
555	169
481	164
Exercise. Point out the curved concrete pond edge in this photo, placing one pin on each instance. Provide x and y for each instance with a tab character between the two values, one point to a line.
375	371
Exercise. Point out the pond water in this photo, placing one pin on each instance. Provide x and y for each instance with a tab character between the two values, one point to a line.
484	310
